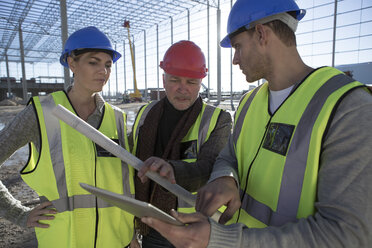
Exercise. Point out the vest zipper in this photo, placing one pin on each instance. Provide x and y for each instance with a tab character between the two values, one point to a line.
250	166
95	184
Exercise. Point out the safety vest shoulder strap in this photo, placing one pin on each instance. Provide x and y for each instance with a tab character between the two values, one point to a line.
121	124
208	122
140	119
242	111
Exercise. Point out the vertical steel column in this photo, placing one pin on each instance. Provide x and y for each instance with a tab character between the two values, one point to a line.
334	34
209	68
171	30
134	68
116	76
109	90
188	24
231	72
125	74
24	82
64	36
218	54
157	59
7	74
145	60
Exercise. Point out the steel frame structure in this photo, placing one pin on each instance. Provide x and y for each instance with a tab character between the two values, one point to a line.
40	22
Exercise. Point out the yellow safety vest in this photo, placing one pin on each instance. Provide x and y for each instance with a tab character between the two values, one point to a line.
197	135
67	158
278	156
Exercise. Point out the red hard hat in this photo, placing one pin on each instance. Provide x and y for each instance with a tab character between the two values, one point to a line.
184	59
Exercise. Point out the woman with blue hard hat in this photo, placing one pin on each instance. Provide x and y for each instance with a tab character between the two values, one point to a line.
296	171
60	157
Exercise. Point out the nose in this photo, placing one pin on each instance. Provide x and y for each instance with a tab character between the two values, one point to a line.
235	58
103	70
182	86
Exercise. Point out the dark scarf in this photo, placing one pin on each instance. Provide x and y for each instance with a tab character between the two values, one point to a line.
151	142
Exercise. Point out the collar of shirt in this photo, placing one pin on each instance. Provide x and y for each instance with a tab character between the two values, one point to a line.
100	103
95	118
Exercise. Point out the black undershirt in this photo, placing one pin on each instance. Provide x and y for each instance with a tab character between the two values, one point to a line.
168	123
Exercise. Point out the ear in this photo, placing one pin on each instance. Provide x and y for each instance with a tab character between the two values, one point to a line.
71	64
163	81
262	33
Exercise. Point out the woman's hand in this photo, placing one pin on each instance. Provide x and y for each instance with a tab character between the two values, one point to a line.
41	212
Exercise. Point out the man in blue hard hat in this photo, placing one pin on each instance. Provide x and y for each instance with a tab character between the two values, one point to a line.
297	169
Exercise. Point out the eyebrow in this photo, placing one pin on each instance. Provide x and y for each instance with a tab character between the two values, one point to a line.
96	58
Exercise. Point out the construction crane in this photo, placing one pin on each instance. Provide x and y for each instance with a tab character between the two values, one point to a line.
136	96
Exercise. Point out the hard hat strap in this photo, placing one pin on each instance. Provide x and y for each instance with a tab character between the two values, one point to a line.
284	17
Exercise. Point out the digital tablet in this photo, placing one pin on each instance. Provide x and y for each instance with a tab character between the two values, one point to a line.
133	206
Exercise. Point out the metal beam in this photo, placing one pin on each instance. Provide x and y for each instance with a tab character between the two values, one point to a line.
24	82
64	36
209	67
334	34
145	60
218	54
8	77
125	72
188	24
157	59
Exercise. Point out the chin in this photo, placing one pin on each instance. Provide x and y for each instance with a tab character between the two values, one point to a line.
250	80
181	106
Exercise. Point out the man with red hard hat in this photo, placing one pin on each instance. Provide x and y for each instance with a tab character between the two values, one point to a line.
296	171
179	136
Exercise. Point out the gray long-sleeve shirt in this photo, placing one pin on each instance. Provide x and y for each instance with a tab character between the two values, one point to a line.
344	193
21	130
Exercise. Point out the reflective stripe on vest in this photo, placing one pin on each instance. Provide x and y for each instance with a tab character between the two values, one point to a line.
121	124
293	174
204	124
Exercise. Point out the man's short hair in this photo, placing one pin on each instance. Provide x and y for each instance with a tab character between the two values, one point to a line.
284	33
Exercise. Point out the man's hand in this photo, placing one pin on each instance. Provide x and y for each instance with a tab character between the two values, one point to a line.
195	234
222	191
134	244
41	212
158	165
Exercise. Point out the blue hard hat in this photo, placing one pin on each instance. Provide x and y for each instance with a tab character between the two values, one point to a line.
245	12
87	38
